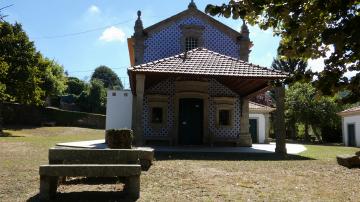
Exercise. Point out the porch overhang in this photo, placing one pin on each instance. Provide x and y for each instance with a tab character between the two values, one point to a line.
243	86
243	78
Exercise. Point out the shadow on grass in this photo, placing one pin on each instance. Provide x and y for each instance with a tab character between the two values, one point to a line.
22	127
87	196
6	134
19	127
92	180
163	156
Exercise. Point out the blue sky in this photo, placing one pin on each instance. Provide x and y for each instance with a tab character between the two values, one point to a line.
48	24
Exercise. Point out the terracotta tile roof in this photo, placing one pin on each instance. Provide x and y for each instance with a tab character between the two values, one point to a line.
350	111
256	107
201	61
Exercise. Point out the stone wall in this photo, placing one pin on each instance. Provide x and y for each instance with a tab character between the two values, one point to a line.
16	114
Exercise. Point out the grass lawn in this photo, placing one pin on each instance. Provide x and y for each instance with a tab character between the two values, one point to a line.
188	179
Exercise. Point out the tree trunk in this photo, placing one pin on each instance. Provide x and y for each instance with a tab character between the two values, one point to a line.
280	120
1	119
293	129
317	134
307	136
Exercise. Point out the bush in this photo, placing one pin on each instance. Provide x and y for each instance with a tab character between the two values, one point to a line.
119	138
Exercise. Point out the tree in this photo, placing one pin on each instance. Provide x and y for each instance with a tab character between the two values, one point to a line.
108	77
3	71
326	124
23	79
30	77
300	102
307	28
53	77
352	90
313	110
75	86
94	99
280	120
297	72
295	67
97	96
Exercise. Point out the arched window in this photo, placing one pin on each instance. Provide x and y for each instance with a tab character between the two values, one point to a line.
191	43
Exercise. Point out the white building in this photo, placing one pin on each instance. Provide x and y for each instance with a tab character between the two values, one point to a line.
351	126
118	109
119	115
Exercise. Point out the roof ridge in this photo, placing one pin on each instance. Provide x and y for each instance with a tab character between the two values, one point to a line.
251	64
260	105
198	54
352	108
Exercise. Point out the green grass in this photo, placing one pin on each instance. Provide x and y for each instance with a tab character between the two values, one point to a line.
322	152
187	179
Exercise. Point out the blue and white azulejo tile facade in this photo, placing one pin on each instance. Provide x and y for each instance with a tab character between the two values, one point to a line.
167	42
167	87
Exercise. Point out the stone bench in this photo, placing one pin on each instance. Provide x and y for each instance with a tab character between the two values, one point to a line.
49	175
349	161
143	156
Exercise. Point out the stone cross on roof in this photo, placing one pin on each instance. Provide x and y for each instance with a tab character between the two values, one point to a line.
192	4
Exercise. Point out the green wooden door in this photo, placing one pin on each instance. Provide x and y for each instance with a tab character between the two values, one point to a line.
253	130
190	121
351	135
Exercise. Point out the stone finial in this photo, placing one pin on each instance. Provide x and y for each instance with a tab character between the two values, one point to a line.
138	38
138	24
245	43
192	5
244	30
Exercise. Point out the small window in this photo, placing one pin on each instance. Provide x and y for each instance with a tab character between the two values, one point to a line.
113	94
224	117
157	115
191	43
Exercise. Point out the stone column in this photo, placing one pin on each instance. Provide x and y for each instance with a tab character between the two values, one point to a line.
139	106
280	120
244	137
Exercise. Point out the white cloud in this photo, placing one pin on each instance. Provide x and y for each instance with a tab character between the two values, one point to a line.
94	9
113	34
